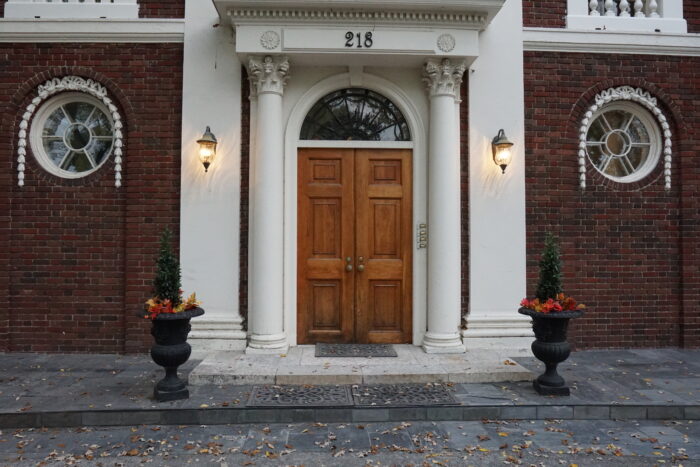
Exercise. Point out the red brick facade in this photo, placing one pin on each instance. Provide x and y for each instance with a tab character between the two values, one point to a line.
77	258
245	193
691	13
631	253
162	8
544	13
464	174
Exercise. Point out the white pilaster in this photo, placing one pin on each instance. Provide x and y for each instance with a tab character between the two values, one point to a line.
210	216
268	77
443	81
497	275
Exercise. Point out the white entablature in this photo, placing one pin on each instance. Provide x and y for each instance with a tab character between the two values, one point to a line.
340	30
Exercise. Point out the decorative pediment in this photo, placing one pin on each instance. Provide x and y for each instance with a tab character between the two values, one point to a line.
372	31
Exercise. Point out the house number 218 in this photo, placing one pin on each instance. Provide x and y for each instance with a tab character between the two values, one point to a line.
356	38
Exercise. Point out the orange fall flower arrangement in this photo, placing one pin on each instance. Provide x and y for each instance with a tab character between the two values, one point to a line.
156	305
562	303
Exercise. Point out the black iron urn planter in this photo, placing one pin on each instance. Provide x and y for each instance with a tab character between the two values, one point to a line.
171	350
551	348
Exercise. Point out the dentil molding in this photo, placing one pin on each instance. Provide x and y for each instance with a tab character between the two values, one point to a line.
70	83
268	74
625	93
443	77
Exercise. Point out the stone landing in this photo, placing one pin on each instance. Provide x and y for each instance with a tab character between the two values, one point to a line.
300	366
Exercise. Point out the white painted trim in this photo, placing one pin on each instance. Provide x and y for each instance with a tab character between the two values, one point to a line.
420	190
567	40
356	144
73	9
93	30
469	14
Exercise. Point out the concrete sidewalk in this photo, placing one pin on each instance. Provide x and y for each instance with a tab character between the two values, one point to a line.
79	390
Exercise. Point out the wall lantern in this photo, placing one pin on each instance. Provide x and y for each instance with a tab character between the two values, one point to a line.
501	150
207	148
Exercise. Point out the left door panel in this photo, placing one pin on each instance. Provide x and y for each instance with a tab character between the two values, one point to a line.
325	282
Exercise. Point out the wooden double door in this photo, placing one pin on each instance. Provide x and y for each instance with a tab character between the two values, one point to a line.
354	246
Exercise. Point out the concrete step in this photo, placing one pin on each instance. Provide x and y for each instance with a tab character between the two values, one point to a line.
300	366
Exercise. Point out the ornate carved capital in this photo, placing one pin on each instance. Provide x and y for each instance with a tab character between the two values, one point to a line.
268	74
443	78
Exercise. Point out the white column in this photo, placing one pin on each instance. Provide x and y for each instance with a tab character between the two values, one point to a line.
268	77
443	80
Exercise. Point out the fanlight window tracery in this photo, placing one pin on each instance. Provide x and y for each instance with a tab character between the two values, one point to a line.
355	114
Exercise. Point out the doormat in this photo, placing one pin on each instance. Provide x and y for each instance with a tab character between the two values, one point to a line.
355	350
299	396
398	395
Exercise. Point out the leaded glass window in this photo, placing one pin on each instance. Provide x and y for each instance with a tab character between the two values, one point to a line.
72	135
623	141
355	114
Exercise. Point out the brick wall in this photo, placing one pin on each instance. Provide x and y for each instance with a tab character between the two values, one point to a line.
632	255
691	12
464	174
162	8
245	192
81	254
544	13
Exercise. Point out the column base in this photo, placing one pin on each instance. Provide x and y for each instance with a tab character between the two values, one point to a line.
442	343
506	334
267	344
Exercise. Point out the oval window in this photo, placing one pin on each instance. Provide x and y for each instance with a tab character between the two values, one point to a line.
72	135
623	141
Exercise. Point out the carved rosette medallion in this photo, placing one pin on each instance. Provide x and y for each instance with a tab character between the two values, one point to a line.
443	77
268	74
446	42
270	40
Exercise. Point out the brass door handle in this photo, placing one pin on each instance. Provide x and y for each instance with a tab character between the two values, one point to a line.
348	268
361	267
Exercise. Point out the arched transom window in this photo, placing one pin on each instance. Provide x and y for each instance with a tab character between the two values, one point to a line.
355	114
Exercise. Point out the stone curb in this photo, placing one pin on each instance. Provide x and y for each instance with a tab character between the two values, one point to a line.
222	416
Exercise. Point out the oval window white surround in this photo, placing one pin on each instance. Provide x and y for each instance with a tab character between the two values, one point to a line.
611	141
79	132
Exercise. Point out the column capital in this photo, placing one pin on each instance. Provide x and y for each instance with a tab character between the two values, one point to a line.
268	74
443	78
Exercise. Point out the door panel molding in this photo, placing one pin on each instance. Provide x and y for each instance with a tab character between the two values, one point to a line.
354	241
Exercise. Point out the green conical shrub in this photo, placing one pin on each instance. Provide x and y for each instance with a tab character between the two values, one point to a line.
167	282
549	285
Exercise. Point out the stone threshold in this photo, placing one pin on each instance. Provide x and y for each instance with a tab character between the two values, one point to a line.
300	366
242	415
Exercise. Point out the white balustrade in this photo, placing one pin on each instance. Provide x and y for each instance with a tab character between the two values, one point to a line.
665	16
74	9
642	8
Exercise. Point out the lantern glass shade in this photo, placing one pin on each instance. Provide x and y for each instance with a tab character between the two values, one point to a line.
207	148
502	154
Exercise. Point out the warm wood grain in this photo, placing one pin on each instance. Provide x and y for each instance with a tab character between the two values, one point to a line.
383	211
354	204
325	290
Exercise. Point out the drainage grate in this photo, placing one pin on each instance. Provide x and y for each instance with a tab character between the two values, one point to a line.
394	395
299	396
355	350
